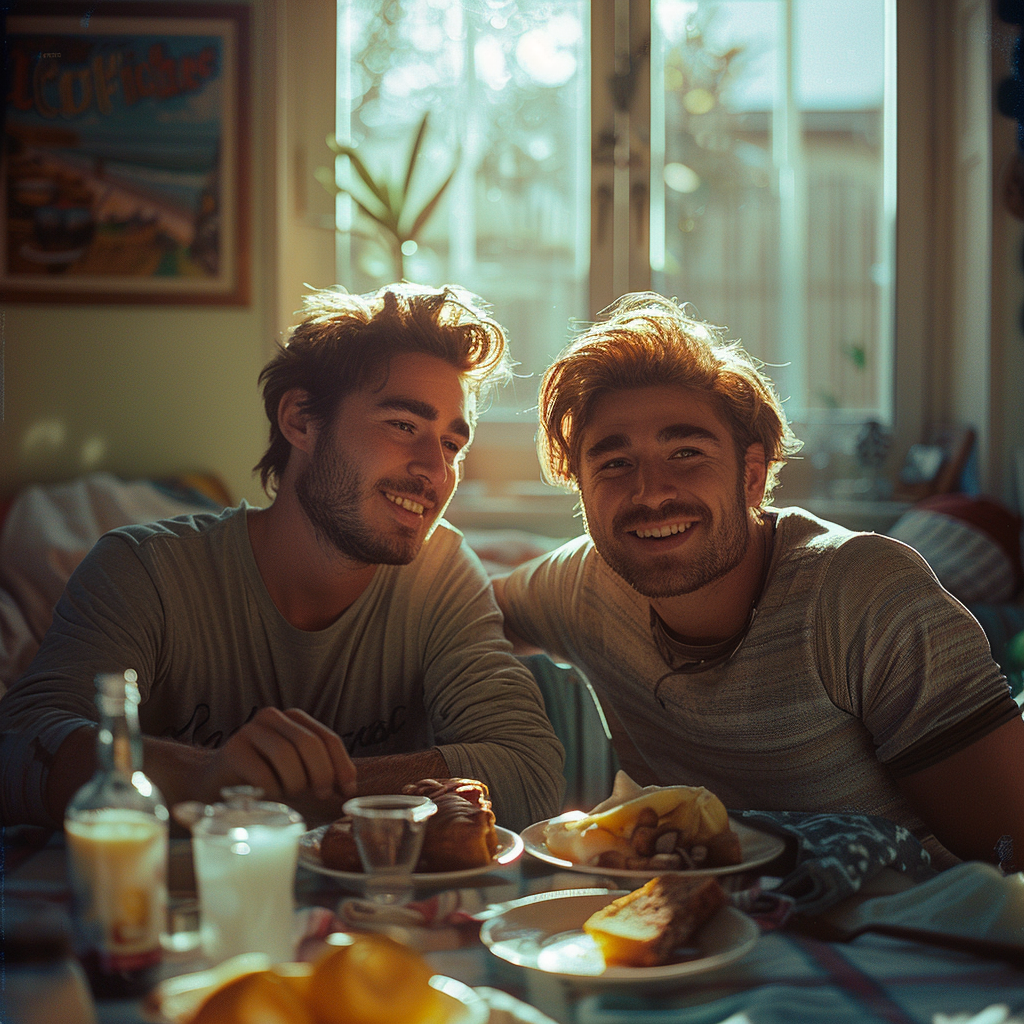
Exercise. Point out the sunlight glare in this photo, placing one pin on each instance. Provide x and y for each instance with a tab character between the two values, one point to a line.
545	53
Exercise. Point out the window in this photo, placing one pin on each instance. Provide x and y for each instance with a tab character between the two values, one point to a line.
737	154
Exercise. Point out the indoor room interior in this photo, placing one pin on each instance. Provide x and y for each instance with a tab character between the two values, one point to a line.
838	194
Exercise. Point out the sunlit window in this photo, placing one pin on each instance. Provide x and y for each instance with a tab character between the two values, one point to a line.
773	191
746	165
505	86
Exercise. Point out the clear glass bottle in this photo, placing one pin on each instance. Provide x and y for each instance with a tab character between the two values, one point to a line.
116	828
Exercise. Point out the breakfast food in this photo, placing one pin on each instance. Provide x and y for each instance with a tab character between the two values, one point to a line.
460	835
644	927
372	980
259	997
657	828
365	979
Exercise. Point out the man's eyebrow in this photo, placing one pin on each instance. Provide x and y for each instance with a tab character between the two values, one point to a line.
425	411
685	431
673	432
609	443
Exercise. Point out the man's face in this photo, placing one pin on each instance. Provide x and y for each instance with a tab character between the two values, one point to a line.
384	469
665	497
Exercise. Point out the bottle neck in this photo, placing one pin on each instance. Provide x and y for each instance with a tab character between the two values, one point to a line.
119	741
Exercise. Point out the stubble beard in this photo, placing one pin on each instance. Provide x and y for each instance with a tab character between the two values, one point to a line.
724	547
330	491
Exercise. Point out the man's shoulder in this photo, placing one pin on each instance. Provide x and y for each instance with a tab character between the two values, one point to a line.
834	552
197	531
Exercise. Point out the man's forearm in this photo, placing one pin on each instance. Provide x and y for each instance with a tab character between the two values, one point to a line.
175	768
389	773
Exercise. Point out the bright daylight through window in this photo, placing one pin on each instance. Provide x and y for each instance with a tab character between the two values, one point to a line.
742	151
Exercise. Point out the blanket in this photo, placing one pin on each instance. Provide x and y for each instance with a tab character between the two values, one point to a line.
49	529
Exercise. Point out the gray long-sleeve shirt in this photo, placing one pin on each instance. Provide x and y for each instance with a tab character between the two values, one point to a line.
418	661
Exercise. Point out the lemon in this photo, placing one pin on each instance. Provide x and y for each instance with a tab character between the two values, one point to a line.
373	980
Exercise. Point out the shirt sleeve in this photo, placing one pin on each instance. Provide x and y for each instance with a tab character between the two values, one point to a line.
543	597
898	651
485	708
107	620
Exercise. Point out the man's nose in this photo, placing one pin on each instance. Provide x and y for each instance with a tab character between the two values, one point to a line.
654	483
429	461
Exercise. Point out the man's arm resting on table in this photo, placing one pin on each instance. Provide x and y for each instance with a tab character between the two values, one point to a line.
974	797
287	754
519	645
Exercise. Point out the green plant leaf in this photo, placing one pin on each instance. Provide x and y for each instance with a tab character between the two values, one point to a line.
377	218
368	180
424	214
414	154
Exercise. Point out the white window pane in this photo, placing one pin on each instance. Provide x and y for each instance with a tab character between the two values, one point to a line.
769	179
506	85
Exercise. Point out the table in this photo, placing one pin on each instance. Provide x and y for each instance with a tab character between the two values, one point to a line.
787	978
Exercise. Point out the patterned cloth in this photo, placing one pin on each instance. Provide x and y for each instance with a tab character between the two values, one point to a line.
837	853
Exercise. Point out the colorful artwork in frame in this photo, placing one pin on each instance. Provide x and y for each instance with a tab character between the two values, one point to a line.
125	165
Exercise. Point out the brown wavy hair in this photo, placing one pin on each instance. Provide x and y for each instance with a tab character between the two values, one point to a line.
345	342
647	340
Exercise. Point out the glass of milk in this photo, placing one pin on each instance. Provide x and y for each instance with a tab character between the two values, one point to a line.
245	852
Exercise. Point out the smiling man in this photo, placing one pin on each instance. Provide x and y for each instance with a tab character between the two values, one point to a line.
778	659
343	639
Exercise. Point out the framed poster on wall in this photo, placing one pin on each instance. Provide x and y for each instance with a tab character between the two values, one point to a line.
125	171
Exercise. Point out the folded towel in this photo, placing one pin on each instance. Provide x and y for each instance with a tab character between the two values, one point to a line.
837	853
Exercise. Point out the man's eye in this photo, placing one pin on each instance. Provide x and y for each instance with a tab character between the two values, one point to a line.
614	464
403	425
685	453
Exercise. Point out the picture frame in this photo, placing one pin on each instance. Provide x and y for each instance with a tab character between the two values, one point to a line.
125	171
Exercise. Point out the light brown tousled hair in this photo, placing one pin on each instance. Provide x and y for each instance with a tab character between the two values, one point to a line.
647	340
345	343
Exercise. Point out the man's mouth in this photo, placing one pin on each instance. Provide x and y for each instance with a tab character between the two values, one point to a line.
406	503
657	532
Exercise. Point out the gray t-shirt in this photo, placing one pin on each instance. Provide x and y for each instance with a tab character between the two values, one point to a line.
856	663
418	661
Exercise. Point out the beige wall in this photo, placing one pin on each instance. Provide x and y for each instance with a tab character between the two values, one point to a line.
148	390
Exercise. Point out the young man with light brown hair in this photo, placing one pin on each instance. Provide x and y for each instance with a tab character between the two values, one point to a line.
780	660
343	639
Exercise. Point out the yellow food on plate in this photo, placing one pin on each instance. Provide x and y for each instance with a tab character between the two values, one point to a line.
365	978
646	926
261	997
659	828
373	980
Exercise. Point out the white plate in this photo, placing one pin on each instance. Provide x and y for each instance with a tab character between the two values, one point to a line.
756	848
175	1000
510	846
545	933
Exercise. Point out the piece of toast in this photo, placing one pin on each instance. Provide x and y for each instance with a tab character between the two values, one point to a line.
644	927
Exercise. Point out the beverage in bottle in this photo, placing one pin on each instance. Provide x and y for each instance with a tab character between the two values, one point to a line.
116	831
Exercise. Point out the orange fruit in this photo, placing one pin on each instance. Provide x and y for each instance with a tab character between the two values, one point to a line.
260	997
372	980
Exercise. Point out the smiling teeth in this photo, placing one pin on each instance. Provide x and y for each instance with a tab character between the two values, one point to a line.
412	506
663	531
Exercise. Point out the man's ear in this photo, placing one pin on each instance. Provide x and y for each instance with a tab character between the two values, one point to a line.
295	423
755	475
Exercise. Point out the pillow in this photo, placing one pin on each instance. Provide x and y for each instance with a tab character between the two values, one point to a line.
971	543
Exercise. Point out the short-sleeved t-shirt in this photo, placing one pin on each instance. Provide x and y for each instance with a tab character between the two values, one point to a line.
858	667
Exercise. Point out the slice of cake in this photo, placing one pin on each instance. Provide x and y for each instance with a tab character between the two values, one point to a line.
642	928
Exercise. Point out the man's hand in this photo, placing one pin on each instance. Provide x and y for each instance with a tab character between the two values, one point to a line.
289	755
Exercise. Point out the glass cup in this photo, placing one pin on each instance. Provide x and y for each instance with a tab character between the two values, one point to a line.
245	852
388	831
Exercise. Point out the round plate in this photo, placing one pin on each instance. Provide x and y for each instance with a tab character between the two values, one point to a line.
510	846
176	1000
545	933
756	847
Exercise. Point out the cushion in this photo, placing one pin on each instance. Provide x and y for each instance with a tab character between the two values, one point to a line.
972	544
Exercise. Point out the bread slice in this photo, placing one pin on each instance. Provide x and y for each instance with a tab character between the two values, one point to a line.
642	928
